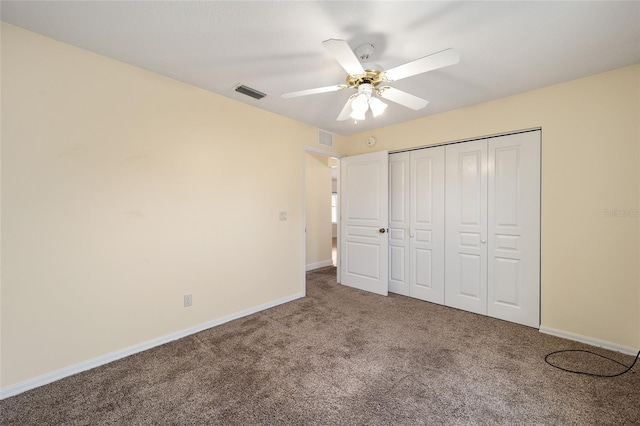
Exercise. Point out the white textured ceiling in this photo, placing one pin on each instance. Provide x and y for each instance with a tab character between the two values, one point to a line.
275	47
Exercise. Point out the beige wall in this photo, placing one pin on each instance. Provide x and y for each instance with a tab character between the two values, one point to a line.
590	163
318	210
122	191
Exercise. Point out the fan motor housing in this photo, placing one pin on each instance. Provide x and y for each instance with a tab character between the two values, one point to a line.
372	77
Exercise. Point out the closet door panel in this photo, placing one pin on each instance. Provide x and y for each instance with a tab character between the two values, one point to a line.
427	224
514	228
399	165
466	226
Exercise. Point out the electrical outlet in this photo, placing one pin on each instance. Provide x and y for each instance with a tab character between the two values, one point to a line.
283	216
188	300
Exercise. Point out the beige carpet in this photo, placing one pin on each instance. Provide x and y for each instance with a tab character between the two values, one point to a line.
342	357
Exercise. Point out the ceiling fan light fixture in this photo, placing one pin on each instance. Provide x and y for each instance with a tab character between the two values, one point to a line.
360	103
377	106
357	115
365	89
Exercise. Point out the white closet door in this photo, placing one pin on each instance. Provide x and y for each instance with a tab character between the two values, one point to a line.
364	212
466	226
514	228
399	165
427	225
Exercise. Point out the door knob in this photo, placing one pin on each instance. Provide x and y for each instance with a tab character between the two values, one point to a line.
382	230
483	241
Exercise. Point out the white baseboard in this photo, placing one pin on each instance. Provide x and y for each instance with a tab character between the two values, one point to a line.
44	379
317	265
590	341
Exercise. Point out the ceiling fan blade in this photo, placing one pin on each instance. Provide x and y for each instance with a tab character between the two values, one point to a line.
344	55
346	110
314	91
428	63
403	98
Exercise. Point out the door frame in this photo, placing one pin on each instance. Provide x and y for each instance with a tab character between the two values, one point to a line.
324	153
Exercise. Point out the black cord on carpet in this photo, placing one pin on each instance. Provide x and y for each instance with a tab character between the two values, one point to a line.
592	353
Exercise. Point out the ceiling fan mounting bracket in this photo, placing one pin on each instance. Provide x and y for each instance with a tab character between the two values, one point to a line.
372	77
364	51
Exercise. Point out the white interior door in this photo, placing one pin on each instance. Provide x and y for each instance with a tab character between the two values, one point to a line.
399	166
466	226
426	242
364	211
514	228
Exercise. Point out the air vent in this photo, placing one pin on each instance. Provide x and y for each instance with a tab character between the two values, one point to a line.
245	90
325	138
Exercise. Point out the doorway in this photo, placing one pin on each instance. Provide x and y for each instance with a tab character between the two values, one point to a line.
320	210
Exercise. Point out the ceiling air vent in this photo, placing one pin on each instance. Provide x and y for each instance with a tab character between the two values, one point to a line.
325	138
245	90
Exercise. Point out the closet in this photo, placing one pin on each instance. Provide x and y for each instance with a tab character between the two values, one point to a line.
464	226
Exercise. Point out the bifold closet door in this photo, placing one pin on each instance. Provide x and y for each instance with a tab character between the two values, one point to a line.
514	228
485	256
466	226
399	165
416	224
426	225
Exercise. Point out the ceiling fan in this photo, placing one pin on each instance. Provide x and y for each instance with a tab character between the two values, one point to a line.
369	82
